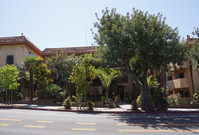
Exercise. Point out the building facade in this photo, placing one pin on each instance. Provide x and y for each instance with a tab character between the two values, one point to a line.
184	80
14	49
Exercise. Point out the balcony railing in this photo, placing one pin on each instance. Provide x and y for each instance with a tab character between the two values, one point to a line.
178	83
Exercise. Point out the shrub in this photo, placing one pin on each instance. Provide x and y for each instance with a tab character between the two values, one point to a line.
116	101
111	104
51	92
103	99
134	106
171	101
67	103
139	100
196	97
159	99
90	105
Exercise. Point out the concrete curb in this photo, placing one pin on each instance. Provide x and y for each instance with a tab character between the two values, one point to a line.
87	111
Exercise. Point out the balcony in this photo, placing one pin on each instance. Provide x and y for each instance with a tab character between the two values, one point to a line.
185	65
178	83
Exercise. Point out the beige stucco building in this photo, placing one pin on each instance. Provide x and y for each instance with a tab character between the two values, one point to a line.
14	49
179	80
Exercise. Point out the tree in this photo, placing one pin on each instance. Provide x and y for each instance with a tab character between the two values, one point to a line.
8	79
61	66
30	64
83	75
41	74
194	51
138	42
107	77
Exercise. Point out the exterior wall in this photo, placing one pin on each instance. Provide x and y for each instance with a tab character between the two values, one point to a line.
195	77
19	52
179	84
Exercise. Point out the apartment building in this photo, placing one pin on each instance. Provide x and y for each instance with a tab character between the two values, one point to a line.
180	81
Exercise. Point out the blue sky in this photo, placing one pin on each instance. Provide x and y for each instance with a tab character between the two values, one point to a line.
67	23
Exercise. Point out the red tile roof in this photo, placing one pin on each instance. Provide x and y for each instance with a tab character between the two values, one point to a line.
19	40
70	50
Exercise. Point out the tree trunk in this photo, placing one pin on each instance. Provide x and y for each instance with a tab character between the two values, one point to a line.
31	85
146	105
164	77
191	74
107	97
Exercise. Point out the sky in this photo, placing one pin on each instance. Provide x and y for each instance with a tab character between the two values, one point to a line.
68	23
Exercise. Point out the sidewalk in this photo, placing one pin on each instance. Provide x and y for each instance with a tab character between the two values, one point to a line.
124	108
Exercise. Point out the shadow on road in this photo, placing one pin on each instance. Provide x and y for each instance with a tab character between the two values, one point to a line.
159	121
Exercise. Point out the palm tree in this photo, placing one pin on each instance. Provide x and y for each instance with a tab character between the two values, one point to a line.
30	63
106	77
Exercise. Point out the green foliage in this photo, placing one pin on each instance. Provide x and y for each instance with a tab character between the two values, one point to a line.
196	97
30	64
83	74
138	42
51	92
39	75
61	66
42	74
116	101
139	38
176	99
106	77
8	77
159	99
111	104
139	102
103	99
194	51
158	95
67	103
90	105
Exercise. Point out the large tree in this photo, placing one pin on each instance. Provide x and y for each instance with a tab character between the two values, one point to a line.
138	42
30	65
61	66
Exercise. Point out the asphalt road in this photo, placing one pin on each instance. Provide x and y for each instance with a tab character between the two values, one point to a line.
32	122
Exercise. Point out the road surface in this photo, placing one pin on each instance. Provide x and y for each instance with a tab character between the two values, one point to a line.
35	122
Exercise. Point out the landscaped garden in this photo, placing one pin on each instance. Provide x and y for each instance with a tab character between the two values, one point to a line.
136	43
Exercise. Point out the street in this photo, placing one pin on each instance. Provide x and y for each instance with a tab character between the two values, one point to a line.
34	122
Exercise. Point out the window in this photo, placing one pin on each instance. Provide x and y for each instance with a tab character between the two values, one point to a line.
179	75
184	93
170	93
10	59
169	77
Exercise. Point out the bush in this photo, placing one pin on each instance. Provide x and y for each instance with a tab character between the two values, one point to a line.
176	99
134	106
111	104
159	99
139	101
51	92
116	101
103	99
67	103
196	97
171	101
90	105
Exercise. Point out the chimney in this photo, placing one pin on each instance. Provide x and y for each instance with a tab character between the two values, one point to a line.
21	34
